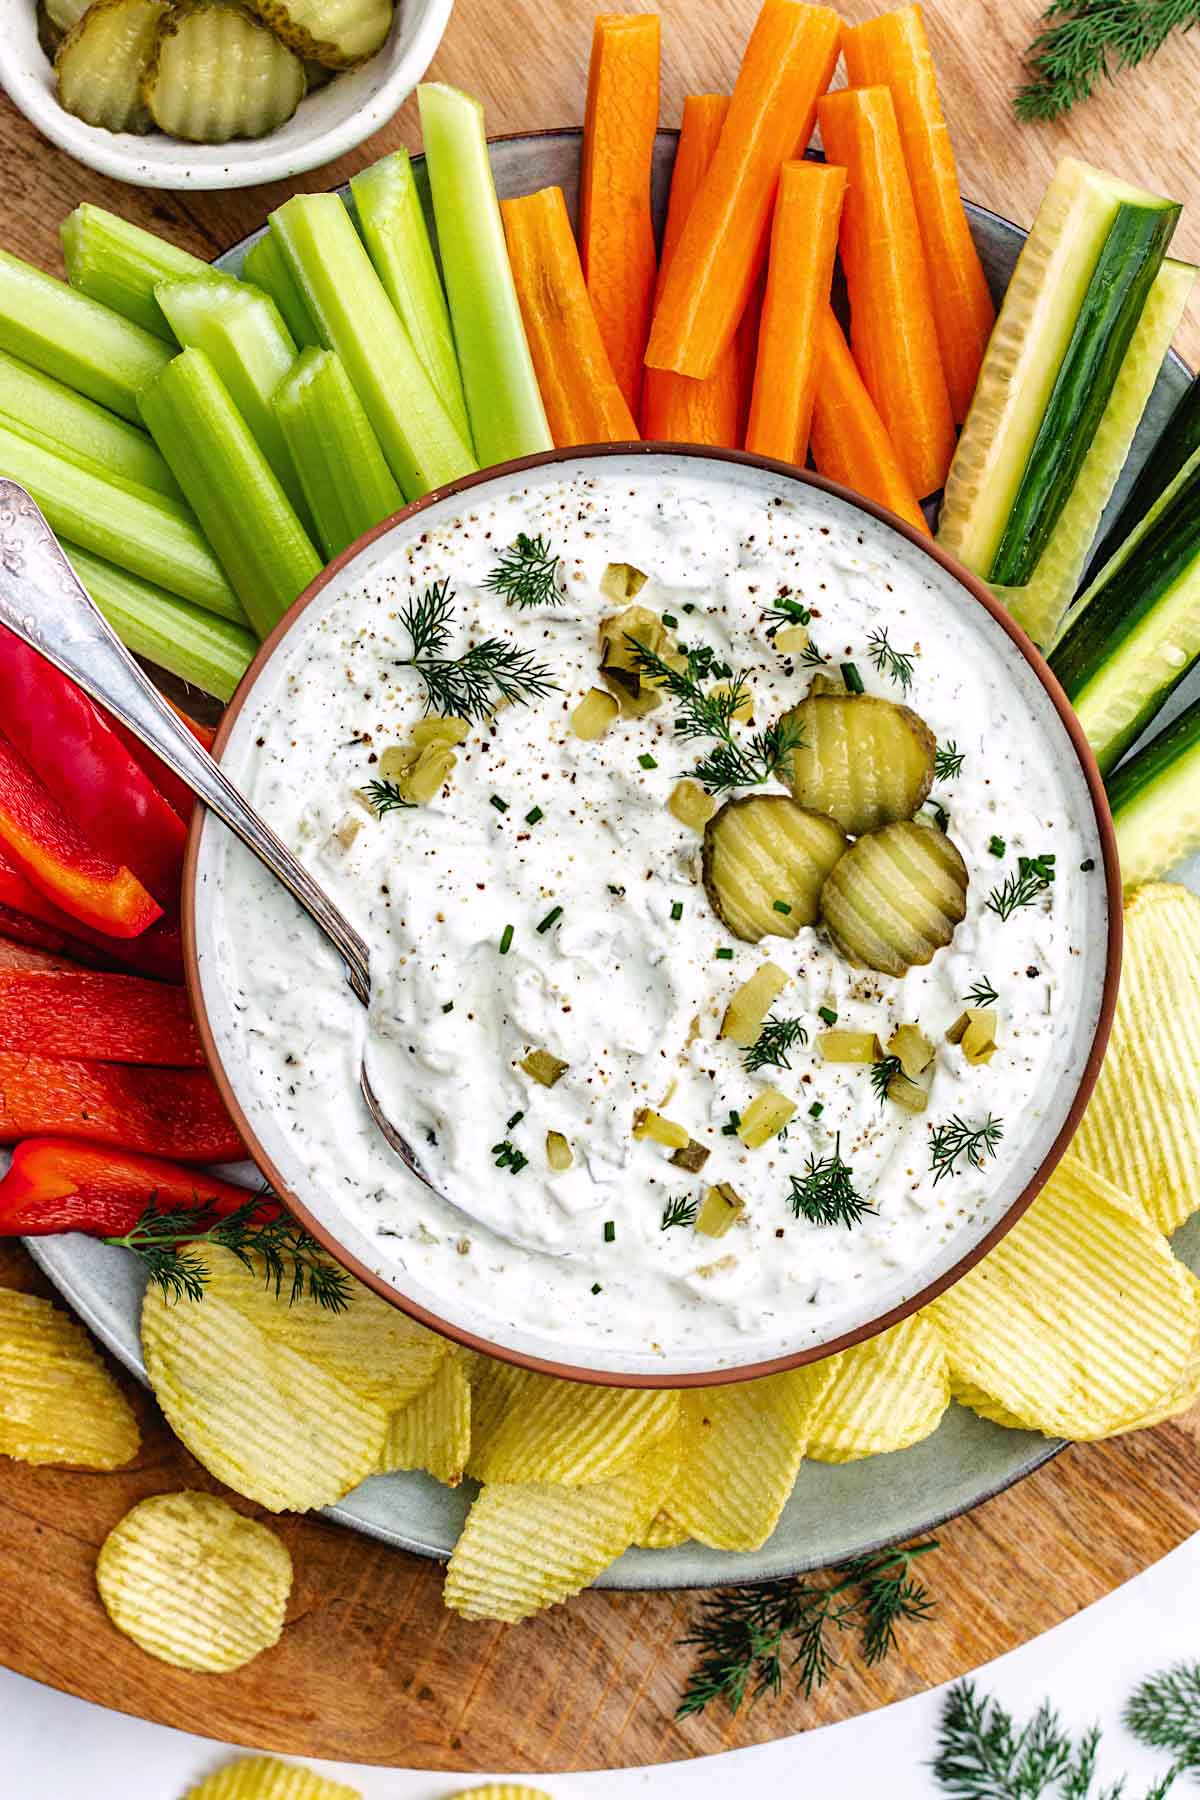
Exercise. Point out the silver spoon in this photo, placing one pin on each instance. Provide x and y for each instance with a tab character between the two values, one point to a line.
43	602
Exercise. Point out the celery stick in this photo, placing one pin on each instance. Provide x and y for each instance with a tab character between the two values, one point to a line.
505	406
246	515
356	318
75	339
141	531
47	413
392	221
342	468
266	266
120	265
241	332
208	652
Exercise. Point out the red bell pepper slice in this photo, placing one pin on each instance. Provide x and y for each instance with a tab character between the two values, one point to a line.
72	748
176	1113
98	1017
166	780
55	1184
26	956
54	856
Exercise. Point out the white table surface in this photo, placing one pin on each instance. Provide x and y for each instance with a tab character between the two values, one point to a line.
53	1747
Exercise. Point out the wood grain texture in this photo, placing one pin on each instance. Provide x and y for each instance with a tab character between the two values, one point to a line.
371	1668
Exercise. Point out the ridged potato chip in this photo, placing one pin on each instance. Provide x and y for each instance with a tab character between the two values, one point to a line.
194	1583
270	1424
266	1778
58	1402
572	1432
1080	1322
886	1394
1141	1129
528	1545
433	1432
740	1450
371	1346
662	1533
495	1387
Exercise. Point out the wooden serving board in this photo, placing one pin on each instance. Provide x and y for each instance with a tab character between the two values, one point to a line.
371	1668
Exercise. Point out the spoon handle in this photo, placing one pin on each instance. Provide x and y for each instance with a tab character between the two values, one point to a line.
43	602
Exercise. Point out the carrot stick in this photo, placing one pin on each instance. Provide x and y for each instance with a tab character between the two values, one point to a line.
893	51
799	274
789	62
583	402
850	443
892	332
616	229
676	409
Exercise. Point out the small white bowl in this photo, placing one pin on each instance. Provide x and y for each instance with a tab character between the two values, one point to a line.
334	119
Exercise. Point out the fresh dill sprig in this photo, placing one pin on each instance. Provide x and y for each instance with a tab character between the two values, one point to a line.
748	1638
472	685
277	1248
1034	875
981	993
947	761
1083	42
385	797
956	1139
825	1194
428	618
897	665
682	1210
767	756
527	574
1164	1713
712	712
812	656
883	1073
770	1048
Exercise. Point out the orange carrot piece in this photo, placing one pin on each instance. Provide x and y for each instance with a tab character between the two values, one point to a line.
616	228
850	443
676	409
583	402
788	64
892	332
893	51
804	239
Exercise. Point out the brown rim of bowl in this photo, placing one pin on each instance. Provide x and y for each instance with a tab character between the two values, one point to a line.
1112	879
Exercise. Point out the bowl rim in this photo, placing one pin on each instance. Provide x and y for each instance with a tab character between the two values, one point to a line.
214	168
1106	830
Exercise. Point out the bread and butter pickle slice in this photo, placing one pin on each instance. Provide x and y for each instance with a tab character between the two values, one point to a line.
338	33
896	897
102	62
765	860
863	760
217	73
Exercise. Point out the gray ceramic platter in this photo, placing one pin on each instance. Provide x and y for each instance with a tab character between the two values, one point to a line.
835	1511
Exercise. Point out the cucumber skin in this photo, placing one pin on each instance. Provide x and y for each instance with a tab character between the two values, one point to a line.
1132	781
1176	442
1174	754
1129	261
1117	608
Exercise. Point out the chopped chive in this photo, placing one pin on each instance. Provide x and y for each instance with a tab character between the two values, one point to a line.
499	804
816	1109
782	906
596	1288
647	761
729	1129
532	817
610	1231
506	938
997	846
550	919
827	1014
618	891
515	1120
852	678
1088	865
448	1006
724	954
670	619
689	606
677	909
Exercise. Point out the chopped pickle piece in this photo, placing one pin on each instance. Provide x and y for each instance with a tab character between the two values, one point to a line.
429	773
746	1012
618	658
594	714
850	1047
621	581
908	1094
544	1067
346	830
691	805
440	729
723	1206
558	1151
896	897
765	1118
863	760
825	684
691	1157
762	849
652	1125
791	639
975	1030
397	760
913	1048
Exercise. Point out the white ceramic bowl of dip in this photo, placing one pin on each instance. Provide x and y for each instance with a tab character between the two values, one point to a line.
326	124
483	1303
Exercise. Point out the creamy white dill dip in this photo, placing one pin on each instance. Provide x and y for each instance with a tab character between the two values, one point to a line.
532	820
